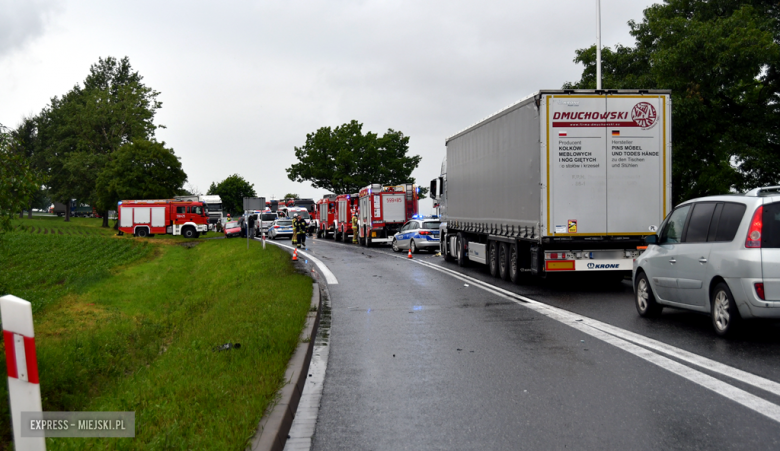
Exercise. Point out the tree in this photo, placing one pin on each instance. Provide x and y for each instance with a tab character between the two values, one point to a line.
18	181
81	131
140	170
290	196
232	191
720	59
25	143
344	160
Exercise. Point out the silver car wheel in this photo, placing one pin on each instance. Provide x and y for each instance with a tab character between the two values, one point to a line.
722	311
642	294
395	246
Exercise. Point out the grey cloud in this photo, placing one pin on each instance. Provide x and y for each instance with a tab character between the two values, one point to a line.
21	21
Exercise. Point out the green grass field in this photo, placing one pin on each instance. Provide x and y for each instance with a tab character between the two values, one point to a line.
132	324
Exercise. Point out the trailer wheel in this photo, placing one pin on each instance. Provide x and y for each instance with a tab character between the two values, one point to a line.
189	232
493	258
503	261
460	250
514	268
143	232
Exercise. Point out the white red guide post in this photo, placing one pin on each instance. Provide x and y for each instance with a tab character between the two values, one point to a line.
23	390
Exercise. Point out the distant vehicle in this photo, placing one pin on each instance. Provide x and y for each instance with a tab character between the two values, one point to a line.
326	211
232	229
213	204
149	217
419	233
263	220
303	213
383	210
719	255
280	229
76	210
346	206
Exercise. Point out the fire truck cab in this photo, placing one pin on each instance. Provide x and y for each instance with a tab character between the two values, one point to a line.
346	206
383	210
326	211
165	216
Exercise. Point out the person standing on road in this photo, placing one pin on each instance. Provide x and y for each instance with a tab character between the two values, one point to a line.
295	231
354	228
299	230
251	229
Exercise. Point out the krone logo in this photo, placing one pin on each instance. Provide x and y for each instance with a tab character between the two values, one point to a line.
644	114
591	265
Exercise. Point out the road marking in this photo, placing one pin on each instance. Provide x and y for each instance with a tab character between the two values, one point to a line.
329	276
631	342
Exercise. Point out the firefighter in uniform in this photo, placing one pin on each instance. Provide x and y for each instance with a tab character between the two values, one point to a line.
354	228
299	231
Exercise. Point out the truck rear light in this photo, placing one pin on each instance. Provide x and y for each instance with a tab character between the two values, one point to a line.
760	290
753	239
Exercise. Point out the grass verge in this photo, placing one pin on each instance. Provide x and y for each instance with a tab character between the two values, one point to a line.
144	339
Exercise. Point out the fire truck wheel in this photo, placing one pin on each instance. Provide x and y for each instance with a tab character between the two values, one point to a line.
395	246
460	251
503	261
319	233
337	236
368	240
493	258
189	232
413	248
142	232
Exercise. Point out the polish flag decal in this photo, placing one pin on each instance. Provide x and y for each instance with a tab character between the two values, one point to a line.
562	133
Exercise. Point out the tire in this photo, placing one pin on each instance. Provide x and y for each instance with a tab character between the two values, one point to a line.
503	261
413	248
369	243
319	233
493	258
142	232
725	315
644	299
395	246
189	232
445	251
460	250
514	267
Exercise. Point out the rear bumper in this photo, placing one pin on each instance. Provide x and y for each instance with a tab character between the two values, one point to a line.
748	302
426	244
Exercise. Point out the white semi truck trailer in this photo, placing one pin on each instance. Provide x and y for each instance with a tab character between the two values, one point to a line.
562	181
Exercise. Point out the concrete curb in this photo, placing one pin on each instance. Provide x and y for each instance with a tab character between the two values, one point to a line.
272	432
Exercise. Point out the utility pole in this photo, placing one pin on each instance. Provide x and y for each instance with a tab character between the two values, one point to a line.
598	44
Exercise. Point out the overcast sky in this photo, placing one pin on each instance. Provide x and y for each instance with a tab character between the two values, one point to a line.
243	82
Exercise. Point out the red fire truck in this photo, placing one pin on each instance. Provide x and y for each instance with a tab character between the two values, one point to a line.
174	217
346	205
326	210
383	210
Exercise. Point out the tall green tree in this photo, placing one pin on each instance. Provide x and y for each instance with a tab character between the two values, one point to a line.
18	181
232	191
140	170
343	160
25	143
81	130
290	196
721	59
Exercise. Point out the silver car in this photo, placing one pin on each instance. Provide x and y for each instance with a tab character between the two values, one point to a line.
717	254
419	233
281	228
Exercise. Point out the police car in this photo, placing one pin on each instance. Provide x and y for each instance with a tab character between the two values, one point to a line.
419	233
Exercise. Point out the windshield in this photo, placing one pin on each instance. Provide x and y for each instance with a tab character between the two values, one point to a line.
214	207
284	223
302	214
431	225
231	225
269	216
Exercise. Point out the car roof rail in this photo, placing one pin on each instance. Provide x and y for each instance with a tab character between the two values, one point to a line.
764	192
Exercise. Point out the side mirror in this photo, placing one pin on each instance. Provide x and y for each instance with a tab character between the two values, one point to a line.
651	239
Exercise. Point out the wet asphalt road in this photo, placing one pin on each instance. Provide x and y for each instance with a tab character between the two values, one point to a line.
420	361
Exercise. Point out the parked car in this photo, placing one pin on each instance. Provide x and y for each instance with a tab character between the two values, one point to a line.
719	255
281	228
232	228
419	233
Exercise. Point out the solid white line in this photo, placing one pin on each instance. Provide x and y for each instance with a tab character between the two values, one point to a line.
329	276
737	395
672	351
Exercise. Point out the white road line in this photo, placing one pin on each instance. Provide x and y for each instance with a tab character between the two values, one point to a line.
588	326
329	276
